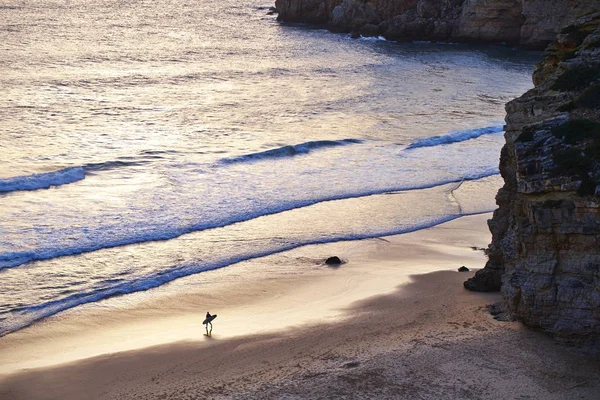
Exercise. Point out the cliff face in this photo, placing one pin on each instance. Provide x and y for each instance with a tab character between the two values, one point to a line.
531	23
543	19
498	20
545	250
309	11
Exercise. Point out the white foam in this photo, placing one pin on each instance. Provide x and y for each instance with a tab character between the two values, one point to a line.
373	38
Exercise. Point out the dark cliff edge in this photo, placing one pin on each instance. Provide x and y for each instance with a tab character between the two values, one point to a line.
545	250
526	23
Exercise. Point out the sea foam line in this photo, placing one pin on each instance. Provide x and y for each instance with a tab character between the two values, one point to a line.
15	259
373	38
45	310
455	137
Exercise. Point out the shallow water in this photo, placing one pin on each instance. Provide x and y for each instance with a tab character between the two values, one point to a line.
131	129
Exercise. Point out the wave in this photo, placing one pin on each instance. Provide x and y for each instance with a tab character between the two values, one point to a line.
290	151
60	177
15	259
42	180
32	314
103	166
455	137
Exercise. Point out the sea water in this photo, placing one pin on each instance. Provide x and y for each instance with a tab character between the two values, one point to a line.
145	141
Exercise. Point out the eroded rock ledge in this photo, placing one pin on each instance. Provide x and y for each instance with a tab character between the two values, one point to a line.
529	23
545	250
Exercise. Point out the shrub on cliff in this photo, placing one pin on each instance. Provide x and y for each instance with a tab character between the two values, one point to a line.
576	130
582	159
592	43
526	134
575	162
572	161
590	98
577	78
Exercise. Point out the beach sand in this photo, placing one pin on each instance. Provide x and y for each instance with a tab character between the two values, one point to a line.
392	322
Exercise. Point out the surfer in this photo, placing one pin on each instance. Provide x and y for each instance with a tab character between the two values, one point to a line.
208	321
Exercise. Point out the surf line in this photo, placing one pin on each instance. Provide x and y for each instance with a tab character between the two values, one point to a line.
15	259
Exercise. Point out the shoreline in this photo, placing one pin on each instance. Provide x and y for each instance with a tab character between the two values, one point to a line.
242	293
372	327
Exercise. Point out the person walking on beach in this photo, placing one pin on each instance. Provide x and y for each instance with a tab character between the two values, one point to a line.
208	321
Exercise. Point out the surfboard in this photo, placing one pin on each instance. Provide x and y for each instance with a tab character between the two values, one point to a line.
209	319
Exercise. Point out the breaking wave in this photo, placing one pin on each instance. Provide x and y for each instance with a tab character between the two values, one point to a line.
60	177
43	180
455	137
290	151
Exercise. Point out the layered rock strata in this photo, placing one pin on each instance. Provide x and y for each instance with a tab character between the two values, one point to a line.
529	23
545	250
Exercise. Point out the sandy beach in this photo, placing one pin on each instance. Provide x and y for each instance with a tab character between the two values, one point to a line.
392	322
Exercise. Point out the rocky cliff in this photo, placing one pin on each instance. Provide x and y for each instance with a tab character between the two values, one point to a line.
545	251
529	23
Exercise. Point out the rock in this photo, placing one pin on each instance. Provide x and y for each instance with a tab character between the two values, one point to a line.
463	269
370	30
485	280
334	260
353	14
530	23
309	11
545	250
544	19
500	313
498	20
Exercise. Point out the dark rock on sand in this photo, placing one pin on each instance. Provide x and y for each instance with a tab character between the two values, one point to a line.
351	364
334	260
500	312
485	280
463	269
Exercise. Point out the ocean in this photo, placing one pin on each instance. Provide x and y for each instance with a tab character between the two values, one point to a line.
146	141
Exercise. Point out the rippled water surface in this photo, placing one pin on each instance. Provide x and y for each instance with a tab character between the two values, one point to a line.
210	126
